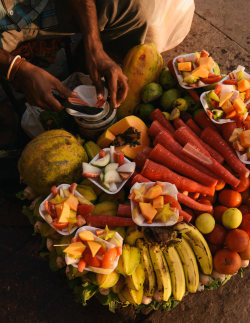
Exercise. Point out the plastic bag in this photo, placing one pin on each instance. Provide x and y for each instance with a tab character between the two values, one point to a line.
170	23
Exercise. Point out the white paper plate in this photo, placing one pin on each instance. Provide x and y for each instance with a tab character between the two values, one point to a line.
96	181
107	244
189	57
43	211
140	220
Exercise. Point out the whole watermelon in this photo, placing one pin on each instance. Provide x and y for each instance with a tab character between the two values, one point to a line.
52	158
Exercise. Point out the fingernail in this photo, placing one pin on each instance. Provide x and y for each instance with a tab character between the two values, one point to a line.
75	94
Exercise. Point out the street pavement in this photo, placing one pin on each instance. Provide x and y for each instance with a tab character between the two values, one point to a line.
31	293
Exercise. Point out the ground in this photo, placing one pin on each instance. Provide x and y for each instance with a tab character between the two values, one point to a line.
30	292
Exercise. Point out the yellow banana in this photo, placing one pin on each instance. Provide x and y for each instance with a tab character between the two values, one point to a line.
199	246
161	271
176	272
150	281
190	265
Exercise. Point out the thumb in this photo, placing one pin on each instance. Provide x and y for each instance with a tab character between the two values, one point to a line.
63	91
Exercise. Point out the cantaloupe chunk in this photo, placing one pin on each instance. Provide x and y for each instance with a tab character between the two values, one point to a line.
200	71
153	192
94	247
158	202
224	97
75	249
239	106
64	213
227	107
245	138
72	202
86	236
186	66
243	85
206	62
148	211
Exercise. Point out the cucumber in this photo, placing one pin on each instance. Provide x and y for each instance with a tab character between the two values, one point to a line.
101	162
111	166
112	187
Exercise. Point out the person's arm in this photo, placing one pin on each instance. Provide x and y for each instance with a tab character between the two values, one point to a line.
97	61
36	84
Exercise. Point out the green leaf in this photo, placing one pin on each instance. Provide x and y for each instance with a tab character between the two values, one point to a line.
215	284
111	300
89	290
240	272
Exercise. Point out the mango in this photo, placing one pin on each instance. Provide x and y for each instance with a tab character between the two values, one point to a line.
142	65
200	71
105	208
186	66
243	85
239	106
148	211
87	192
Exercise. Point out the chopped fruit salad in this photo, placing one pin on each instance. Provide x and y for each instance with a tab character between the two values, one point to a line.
94	249
196	70
64	209
240	140
109	170
225	104
241	81
154	203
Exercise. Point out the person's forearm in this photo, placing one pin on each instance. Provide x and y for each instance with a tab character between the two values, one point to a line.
86	15
5	61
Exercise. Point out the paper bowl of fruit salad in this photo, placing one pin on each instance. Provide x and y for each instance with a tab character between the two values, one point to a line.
154	204
196	70
240	80
109	170
224	104
240	140
93	249
64	209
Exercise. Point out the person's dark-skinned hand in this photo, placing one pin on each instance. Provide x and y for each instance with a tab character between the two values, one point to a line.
38	86
99	64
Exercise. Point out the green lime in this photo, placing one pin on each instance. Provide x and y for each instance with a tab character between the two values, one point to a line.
167	80
151	92
168	98
144	110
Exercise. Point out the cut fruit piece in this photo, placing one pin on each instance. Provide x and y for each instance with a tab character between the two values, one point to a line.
112	176
186	66
127	168
245	138
136	280
239	106
189	78
200	71
72	202
165	214
119	157
148	211
139	194
113	187
224	97
206	62
101	162
64	215
111	166
90	170
153	192
125	176
243	85
213	96
75	249
94	247
86	236
227	107
158	202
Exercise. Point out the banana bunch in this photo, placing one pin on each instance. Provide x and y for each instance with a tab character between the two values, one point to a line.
150	270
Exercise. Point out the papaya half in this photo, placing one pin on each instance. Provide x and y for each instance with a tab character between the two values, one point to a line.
129	135
142	65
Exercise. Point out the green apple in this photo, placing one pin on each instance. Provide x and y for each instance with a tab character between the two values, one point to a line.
231	218
205	223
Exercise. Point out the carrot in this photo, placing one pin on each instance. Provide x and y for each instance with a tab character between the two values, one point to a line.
141	157
192	152
185	216
178	123
163	156
124	210
109	220
180	219
214	139
202	119
230	82
211	80
194	127
157	172
227	129
167	141
155	128
194	205
139	179
159	116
